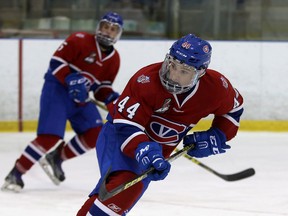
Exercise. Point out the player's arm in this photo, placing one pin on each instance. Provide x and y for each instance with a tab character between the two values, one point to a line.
229	122
104	91
224	126
230	108
136	145
133	112
62	68
131	116
61	63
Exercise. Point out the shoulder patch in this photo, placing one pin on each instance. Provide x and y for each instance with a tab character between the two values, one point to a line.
224	82
80	35
143	79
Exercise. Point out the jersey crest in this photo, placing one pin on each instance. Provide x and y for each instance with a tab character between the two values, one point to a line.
164	131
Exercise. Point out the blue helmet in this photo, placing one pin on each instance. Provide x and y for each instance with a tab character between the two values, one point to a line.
113	19
192	51
190	54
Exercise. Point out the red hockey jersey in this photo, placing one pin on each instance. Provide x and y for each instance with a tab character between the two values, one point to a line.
166	118
81	53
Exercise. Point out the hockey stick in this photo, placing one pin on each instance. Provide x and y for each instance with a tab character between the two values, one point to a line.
99	104
104	194
227	177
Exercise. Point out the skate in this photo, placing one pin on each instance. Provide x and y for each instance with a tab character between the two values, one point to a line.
13	181
51	164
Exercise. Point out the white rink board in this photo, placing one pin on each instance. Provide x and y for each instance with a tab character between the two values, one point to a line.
257	69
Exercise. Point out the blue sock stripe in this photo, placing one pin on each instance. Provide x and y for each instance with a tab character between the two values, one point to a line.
30	151
75	145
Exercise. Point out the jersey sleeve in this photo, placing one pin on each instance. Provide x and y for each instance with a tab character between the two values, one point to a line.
105	88
230	109
132	112
66	52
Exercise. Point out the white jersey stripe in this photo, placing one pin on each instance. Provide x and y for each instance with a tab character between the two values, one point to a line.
105	208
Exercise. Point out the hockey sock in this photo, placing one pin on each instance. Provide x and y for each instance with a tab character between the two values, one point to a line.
87	205
34	151
80	144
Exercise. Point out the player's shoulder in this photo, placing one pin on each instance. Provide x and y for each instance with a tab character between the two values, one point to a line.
82	36
215	81
150	72
147	76
213	73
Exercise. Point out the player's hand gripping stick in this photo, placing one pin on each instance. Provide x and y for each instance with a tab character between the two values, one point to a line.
104	194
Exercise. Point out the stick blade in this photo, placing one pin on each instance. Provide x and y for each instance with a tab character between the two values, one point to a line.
240	175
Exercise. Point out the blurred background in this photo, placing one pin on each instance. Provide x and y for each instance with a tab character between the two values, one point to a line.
164	19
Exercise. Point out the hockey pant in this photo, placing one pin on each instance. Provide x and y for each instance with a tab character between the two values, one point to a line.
120	204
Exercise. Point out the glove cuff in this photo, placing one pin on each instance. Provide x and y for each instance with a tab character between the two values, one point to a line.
221	135
144	148
113	96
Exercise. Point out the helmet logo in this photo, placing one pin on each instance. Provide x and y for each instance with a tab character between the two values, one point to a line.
206	49
186	45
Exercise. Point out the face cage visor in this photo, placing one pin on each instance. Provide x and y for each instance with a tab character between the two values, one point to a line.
105	39
173	87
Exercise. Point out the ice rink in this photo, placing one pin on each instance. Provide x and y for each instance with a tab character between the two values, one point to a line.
189	190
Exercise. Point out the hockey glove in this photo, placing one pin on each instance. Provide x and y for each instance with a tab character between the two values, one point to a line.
210	142
77	89
149	154
113	96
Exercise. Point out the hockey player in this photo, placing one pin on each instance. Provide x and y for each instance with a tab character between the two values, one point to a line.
83	63
161	103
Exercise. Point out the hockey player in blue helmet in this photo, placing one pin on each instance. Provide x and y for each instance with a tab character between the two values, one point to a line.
85	63
153	115
109	29
190	54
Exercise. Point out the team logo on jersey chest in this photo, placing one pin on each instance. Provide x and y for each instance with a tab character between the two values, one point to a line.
166	105
91	58
164	131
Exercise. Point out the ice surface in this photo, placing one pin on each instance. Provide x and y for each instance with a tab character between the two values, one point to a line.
189	190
